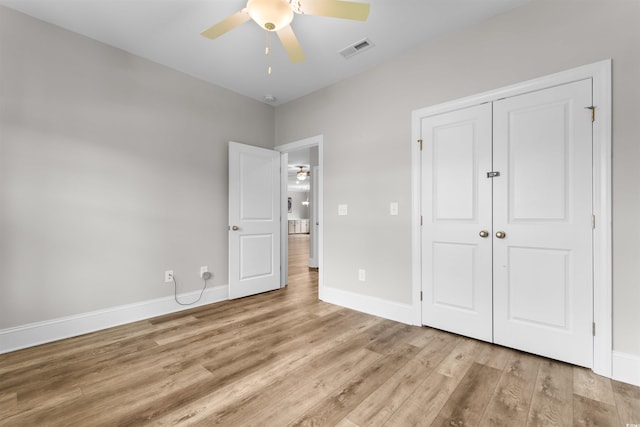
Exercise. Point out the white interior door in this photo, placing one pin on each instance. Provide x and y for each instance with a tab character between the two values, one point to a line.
543	203
456	197
254	220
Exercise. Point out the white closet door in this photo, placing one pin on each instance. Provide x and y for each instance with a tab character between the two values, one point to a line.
543	204
456	197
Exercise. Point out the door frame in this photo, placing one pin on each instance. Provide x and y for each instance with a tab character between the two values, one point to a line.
600	73
313	218
314	141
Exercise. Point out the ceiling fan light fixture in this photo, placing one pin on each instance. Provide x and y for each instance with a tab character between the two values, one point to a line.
272	15
301	175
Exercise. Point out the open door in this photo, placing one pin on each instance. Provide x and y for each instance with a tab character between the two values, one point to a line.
254	220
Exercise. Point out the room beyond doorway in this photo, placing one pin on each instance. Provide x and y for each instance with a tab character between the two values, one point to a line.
301	196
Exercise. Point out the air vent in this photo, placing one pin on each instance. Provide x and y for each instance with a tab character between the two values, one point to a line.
356	48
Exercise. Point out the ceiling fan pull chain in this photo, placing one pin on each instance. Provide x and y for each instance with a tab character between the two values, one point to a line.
267	51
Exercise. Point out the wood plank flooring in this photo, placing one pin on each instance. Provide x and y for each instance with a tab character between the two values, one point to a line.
286	359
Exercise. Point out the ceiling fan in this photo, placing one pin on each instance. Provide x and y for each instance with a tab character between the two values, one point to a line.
301	174
276	16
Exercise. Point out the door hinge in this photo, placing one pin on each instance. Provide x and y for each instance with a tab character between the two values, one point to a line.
420	220
593	329
492	174
420	143
593	222
420	295
593	112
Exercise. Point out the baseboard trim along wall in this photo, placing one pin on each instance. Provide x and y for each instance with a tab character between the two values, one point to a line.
404	313
33	334
626	368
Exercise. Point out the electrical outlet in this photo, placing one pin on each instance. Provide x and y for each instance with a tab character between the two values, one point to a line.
362	275
342	209
168	276
203	270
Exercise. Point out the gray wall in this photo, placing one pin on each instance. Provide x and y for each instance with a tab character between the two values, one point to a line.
368	117
112	170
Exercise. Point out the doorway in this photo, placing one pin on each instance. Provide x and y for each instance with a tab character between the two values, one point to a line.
300	214
301	235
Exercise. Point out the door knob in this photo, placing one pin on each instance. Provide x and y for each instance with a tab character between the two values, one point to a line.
235	228
501	234
484	233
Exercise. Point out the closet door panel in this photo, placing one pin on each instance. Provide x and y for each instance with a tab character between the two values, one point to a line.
543	204
456	197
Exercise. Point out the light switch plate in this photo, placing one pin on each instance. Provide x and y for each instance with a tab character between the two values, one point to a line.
393	208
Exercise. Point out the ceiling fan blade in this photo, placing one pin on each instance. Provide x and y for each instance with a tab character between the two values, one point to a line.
336	9
225	25
291	45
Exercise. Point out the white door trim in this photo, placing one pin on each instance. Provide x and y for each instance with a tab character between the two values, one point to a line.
600	73
314	141
284	223
313	218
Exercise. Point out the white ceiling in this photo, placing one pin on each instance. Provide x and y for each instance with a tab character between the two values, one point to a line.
167	32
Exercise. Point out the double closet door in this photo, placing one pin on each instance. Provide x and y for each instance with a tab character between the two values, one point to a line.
507	222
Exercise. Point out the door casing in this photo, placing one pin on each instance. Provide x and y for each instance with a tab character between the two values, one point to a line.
600	73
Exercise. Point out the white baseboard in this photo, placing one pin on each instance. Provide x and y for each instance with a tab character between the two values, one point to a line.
403	313
24	336
626	368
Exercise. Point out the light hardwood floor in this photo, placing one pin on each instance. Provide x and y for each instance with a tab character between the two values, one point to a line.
285	358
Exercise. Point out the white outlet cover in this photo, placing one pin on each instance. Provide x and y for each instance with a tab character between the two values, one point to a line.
342	209
393	208
362	275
